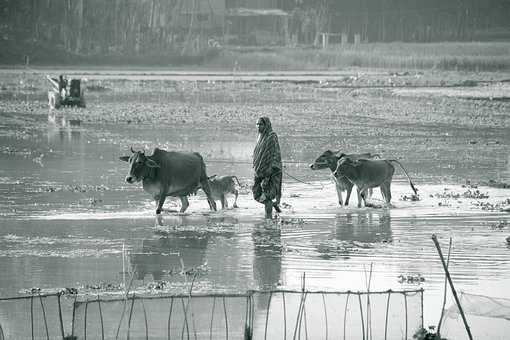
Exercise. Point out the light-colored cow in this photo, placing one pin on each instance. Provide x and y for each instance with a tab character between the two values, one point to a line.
329	160
367	173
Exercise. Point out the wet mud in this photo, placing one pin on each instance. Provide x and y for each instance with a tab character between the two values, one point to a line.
68	218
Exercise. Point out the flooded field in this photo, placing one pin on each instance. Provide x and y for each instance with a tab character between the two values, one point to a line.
69	219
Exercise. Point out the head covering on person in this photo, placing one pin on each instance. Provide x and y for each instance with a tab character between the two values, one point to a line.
266	155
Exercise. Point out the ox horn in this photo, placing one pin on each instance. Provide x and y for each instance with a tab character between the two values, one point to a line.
133	151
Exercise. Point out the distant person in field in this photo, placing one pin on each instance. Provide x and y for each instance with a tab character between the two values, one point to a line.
267	164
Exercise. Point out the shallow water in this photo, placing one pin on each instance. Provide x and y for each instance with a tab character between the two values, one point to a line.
67	217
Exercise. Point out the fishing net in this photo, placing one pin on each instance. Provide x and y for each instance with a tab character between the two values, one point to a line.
256	315
161	318
252	315
34	317
487	317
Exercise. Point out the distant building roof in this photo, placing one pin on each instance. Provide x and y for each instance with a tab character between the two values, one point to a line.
252	12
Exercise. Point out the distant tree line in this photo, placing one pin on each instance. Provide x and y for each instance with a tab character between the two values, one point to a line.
409	20
184	26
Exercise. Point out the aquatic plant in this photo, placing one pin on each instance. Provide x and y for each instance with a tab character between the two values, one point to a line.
427	334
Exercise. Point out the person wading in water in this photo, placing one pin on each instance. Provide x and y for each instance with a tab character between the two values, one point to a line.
267	164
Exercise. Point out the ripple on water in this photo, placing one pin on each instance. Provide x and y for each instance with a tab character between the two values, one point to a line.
12	245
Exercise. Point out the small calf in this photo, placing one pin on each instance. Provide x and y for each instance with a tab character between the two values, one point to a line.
221	186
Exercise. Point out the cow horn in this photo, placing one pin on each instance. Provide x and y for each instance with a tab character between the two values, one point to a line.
133	151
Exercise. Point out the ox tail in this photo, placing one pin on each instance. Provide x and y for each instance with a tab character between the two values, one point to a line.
237	180
409	178
204	183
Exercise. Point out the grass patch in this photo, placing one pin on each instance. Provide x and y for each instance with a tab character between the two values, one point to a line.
457	56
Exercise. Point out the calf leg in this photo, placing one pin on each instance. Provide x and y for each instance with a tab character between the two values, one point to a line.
236	193
184	203
224	202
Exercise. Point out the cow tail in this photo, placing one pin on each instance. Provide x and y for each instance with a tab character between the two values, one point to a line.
409	178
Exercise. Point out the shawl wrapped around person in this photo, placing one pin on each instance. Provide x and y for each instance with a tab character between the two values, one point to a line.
267	164
266	155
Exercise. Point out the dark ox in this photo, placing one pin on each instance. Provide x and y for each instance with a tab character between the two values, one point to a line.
169	173
367	173
329	160
223	185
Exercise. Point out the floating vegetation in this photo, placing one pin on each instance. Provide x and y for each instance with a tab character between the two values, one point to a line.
476	194
75	188
503	206
336	248
289	221
285	205
424	334
103	286
470	193
496	184
98	88
446	194
411	279
40	291
93	202
412	198
501	225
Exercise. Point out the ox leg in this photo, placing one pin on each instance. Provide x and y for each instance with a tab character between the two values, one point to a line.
386	192
204	182
361	197
339	194
184	203
224	202
160	201
236	193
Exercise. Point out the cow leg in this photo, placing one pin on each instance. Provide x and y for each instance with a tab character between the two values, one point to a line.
370	192
224	202
339	194
184	202
236	193
204	182
348	195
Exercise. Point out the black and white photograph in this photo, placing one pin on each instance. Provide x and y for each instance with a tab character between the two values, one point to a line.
254	169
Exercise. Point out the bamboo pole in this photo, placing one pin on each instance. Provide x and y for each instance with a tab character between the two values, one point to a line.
438	328
454	292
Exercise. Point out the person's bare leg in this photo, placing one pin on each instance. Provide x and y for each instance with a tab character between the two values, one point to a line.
269	209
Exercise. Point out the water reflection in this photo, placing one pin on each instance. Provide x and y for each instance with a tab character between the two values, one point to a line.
366	227
169	254
355	231
267	262
62	129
